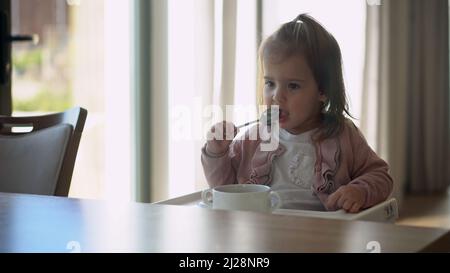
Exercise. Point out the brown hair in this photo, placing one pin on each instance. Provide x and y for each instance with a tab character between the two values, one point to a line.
306	36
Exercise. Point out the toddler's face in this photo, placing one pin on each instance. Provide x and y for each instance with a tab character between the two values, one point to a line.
290	84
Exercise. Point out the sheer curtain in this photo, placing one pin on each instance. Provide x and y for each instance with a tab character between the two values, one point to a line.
406	92
212	64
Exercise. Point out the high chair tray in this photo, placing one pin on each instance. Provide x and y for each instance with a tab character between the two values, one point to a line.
386	211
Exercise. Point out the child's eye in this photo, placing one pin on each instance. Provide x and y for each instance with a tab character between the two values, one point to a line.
268	83
293	86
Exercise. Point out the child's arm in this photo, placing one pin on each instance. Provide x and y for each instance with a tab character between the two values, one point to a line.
219	155
370	173
371	176
370	184
220	169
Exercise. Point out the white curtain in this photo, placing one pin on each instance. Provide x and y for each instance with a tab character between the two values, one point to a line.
202	75
204	33
228	60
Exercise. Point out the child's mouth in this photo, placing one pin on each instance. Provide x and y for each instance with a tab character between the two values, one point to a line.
283	115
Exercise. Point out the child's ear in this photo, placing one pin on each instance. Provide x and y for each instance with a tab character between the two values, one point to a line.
322	97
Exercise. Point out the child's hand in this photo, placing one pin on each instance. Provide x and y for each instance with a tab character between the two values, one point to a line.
347	197
220	137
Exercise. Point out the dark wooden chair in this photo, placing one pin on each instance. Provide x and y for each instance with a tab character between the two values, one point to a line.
40	161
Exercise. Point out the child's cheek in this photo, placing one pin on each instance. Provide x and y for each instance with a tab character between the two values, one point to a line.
267	100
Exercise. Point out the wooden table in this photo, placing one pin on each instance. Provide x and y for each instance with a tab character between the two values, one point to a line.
30	223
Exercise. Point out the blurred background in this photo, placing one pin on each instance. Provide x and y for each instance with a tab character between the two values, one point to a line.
149	72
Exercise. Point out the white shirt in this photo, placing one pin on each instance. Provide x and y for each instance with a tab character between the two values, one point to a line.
293	172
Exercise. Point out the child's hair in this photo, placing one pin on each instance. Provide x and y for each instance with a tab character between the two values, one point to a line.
306	36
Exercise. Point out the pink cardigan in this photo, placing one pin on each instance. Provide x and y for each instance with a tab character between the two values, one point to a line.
346	159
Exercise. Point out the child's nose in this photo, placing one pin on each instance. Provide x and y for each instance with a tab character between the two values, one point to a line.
278	96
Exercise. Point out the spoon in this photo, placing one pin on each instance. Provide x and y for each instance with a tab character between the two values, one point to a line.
266	117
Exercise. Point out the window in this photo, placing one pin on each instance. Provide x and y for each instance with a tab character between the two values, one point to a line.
82	59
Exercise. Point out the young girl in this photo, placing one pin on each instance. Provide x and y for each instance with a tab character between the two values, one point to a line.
322	160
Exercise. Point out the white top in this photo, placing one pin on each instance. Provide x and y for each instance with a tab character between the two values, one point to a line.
293	172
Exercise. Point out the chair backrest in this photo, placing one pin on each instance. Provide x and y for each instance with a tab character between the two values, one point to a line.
40	161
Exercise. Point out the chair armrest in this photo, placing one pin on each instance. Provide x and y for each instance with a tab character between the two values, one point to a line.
386	211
